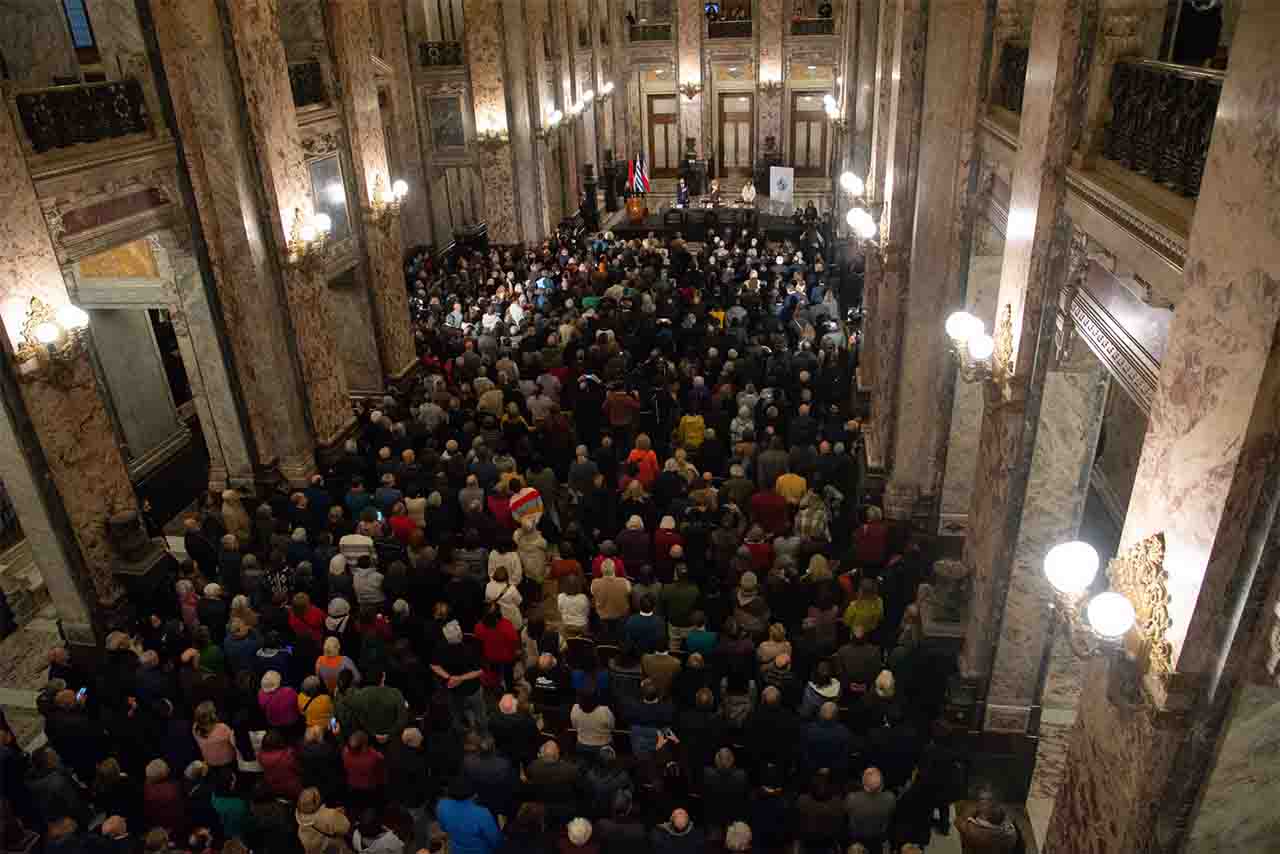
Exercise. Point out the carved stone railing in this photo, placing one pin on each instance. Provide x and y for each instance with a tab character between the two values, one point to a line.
1011	76
812	26
1161	119
440	54
306	79
729	29
651	32
62	116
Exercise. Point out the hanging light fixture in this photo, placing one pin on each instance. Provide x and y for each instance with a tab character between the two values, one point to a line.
982	358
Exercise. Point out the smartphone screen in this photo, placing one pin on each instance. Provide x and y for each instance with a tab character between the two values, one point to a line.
289	649
82	693
333	724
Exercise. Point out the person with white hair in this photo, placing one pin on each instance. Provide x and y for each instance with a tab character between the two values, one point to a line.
737	837
870	810
578	832
279	702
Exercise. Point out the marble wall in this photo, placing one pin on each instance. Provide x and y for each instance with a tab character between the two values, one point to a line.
564	39
35	42
881	107
965	424
350	298
487	66
523	115
1123	428
768	27
546	172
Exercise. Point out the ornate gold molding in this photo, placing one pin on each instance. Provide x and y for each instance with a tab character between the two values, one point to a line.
1139	574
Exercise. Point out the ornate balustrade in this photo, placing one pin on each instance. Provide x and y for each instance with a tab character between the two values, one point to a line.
729	29
1161	119
306	79
1011	77
651	32
440	54
62	116
812	26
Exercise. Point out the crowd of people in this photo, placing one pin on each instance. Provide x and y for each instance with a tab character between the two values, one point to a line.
599	582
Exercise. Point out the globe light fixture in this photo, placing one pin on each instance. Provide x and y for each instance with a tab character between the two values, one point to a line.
1071	567
48	333
1111	615
323	223
852	184
72	317
961	326
400	188
981	347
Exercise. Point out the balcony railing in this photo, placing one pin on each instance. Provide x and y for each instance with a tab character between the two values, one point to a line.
1161	119
1011	80
729	29
440	54
61	116
306	79
651	32
812	26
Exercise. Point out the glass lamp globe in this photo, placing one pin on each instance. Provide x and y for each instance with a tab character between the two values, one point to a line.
400	188
852	184
866	228
1111	615
852	218
48	333
556	117
307	233
981	347
1071	567
828	100
588	96
962	325
323	223
72	317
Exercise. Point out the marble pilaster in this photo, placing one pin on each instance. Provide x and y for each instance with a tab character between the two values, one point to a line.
546	172
635	127
1031	274
599	68
768	26
220	167
522	119
896	221
351	35
401	54
689	17
264	81
1066	438
621	75
939	250
487	68
860	82
586	127
565	39
1207	479
57	441
882	96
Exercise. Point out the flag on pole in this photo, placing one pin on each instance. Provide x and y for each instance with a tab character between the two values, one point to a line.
638	175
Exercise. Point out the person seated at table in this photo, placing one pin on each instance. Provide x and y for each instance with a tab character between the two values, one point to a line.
682	194
749	193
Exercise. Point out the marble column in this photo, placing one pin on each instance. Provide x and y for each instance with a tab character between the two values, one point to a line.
939	251
58	452
620	73
635	125
351	32
768	26
882	96
208	371
585	128
689	16
896	221
860	82
1032	272
223	176
523	118
603	110
488	72
264	81
1208	480
402	56
565	39
546	171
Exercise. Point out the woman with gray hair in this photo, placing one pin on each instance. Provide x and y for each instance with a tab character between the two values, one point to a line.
163	804
737	837
578	835
279	702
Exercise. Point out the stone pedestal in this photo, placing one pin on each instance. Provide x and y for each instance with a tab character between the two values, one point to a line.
948	597
141	565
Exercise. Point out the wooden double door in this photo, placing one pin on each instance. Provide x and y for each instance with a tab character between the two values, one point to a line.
735	117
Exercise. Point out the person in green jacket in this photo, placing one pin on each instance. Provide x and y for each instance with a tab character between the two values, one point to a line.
679	600
377	708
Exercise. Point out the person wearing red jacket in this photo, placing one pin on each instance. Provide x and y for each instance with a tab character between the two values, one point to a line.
305	619
365	767
499	646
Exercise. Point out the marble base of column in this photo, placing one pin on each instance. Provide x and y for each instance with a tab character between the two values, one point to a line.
323	377
390	297
900	501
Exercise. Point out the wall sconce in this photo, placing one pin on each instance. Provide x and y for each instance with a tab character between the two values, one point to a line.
385	204
852	184
51	342
492	140
838	122
1128	622
770	87
862	223
691	90
981	358
554	123
309	240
